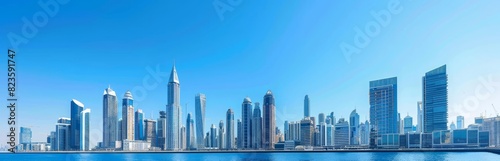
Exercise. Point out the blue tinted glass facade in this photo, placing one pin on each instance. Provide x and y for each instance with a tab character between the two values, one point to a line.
460	136
383	105
139	125
75	128
472	137
435	99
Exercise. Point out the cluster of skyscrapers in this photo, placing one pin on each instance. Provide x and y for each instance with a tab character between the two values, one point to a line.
257	129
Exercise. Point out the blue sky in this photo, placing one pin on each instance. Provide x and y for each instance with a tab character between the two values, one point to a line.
291	48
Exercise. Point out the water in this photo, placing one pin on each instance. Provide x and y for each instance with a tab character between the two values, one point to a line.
348	156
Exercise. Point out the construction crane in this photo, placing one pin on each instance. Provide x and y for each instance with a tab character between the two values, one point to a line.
495	109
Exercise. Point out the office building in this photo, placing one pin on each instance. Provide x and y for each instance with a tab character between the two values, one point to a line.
307	132
239	139
200	105
246	120
269	121
435	100
221	141
307	108
384	106
85	130
230	130
257	127
139	125
354	134
128	117
110	119
173	112
341	134
76	110
460	122
190	138
420	117
62	135
150	131
408	124
25	136
161	132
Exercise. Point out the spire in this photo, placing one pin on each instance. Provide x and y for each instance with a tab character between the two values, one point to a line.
173	76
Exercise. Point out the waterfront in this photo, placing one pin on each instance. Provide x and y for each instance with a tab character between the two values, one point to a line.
299	156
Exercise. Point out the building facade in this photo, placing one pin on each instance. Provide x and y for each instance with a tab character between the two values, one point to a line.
435	99
76	110
85	130
269	121
383	105
110	119
200	105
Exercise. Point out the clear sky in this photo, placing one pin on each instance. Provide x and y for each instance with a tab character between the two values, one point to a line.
292	48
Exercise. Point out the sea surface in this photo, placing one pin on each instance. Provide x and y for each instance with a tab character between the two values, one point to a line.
298	156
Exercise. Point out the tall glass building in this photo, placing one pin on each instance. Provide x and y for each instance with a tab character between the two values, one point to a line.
269	121
257	127
139	125
384	105
62	137
230	129
221	140
76	110
420	117
128	117
161	133
408	124
200	105
307	109
25	138
460	122
354	128
190	138
173	112
246	120
85	130
110	119
435	99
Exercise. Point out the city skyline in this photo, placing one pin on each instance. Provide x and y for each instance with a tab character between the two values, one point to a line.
248	59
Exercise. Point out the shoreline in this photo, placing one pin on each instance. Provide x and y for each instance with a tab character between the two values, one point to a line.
495	151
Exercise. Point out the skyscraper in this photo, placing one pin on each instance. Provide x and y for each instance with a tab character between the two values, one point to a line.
306	132
221	141
110	118
453	126
246	120
460	122
341	136
150	131
200	104
128	117
76	110
25	138
384	105
62	134
307	109
161	131
173	111
435	99
354	128
257	127
213	136
190	138
85	130
139	125
420	117
286	127
182	138
230	129
408	124
239	141
269	121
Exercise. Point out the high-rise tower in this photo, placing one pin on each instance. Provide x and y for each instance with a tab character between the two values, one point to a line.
269	121
173	111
